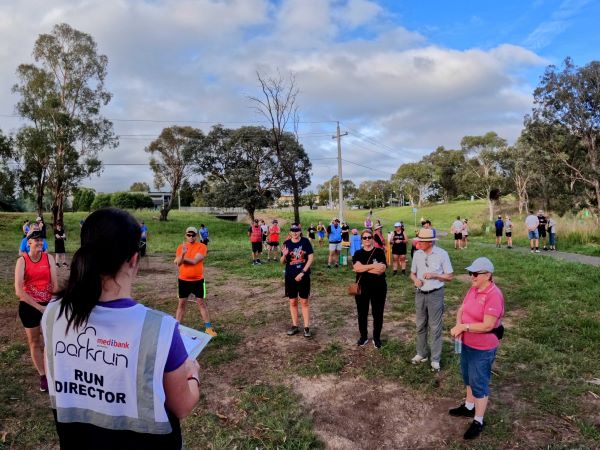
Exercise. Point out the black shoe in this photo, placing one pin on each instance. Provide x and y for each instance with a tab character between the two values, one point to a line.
293	330
395	272
474	430
258	261
336	266
377	343
66	265
462	411
362	342
403	272
328	266
57	265
307	332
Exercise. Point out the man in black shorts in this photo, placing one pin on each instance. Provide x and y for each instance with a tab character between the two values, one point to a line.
297	255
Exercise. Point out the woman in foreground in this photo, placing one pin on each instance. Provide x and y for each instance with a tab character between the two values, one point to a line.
478	323
118	372
35	281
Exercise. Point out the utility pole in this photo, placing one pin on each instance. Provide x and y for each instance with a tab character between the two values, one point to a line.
338	136
330	197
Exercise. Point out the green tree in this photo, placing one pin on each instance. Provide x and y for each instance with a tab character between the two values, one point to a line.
83	199
568	100
101	201
483	175
323	190
8	174
446	164
241	168
172	160
415	180
139	186
62	97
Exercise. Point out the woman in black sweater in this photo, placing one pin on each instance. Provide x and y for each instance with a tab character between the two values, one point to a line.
369	263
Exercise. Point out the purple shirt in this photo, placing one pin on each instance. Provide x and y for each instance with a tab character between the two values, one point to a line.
177	353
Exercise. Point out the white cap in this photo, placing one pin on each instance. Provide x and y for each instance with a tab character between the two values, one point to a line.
481	265
191	230
397	224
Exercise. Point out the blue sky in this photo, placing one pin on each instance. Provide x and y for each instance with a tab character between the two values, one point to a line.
402	77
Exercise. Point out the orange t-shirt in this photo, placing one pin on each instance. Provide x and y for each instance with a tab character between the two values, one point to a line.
192	272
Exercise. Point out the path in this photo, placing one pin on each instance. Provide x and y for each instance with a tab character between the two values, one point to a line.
565	256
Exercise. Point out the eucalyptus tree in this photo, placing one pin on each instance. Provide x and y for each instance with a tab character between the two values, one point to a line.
567	103
483	171
172	160
61	95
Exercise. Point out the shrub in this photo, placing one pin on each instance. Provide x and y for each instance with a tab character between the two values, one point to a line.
101	201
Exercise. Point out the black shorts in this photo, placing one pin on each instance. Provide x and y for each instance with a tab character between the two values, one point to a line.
274	244
30	317
509	234
399	249
185	288
294	289
457	236
498	232
542	232
256	247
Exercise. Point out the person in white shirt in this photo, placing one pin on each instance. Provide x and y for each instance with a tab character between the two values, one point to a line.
532	222
457	228
430	269
551	232
508	231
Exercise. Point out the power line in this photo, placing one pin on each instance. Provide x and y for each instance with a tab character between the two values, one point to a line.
367	167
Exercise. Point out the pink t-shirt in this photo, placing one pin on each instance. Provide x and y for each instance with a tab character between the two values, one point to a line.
475	306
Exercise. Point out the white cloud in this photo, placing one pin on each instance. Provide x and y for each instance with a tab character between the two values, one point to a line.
195	60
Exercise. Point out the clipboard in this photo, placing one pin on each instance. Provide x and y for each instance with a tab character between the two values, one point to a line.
194	341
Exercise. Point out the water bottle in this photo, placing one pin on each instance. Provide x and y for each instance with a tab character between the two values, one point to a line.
457	345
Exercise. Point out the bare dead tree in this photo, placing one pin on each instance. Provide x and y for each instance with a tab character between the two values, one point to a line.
278	106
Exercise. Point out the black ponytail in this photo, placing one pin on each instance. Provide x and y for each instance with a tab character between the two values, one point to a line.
109	237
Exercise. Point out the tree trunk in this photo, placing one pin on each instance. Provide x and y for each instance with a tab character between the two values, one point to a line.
490	205
250	212
296	199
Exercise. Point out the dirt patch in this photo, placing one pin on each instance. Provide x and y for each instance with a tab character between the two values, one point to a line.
359	414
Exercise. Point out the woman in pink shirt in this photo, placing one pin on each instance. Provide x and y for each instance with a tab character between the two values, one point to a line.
478	324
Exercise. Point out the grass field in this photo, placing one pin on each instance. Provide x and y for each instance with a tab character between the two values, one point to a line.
263	390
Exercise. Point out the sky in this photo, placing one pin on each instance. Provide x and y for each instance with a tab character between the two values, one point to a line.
401	77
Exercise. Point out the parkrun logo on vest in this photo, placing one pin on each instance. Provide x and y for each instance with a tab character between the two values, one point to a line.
92	348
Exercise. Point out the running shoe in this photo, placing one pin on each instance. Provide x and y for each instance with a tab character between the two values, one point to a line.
362	342
377	343
211	331
474	430
418	359
461	411
307	332
293	330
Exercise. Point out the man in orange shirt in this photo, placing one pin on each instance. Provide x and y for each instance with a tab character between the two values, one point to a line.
273	241
190	261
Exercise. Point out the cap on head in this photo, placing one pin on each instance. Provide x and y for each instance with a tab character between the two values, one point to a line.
397	224
34	235
38	219
481	265
425	235
191	230
295	227
377	227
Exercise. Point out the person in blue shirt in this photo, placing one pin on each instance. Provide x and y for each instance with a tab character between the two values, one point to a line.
24	246
355	243
143	238
499	224
334	232
203	231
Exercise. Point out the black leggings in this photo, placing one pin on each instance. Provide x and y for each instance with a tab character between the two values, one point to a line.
374	294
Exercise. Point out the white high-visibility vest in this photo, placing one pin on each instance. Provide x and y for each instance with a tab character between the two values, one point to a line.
109	372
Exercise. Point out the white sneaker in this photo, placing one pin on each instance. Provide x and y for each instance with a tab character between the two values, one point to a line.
537	251
435	366
418	359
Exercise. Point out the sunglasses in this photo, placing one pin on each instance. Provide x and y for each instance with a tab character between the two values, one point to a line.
367	238
190	234
475	274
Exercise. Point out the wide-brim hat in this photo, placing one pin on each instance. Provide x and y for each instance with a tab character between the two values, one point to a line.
425	235
377	227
